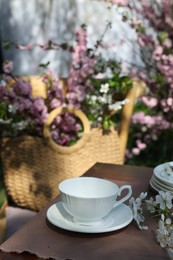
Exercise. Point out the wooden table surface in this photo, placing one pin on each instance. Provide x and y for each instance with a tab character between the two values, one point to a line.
42	239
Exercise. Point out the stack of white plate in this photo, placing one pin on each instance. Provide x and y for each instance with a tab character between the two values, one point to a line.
162	178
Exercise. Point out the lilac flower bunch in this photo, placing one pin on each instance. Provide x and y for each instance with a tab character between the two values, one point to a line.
19	111
94	85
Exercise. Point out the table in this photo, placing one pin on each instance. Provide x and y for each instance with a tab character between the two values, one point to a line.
40	237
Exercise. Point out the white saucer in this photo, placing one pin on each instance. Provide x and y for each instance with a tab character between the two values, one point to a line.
118	218
161	184
154	187
158	187
164	173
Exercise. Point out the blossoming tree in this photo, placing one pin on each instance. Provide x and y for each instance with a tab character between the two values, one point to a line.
152	124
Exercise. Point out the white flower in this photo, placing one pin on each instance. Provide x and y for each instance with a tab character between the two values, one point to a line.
93	98
164	199
137	211
118	105
8	121
3	83
12	108
161	238
105	99
20	125
143	195
151	205
104	88
102	100
125	101
109	99
162	217
161	206
168	221
108	73
164	233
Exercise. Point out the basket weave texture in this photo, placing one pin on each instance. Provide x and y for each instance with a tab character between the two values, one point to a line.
33	167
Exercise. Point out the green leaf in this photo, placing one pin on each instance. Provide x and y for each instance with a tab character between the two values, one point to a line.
44	65
7	46
106	124
163	36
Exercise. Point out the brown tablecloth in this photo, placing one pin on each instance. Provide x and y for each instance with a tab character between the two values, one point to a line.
42	239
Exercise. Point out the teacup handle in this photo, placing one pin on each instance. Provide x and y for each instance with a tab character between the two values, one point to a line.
126	197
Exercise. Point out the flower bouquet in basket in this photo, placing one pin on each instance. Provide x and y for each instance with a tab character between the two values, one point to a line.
46	140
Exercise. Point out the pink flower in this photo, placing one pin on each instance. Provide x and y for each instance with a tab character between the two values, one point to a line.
118	2
141	41
149	101
167	43
157	53
24	47
170	101
136	151
8	66
141	145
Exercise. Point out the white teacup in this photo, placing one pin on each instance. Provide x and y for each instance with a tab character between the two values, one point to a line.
89	199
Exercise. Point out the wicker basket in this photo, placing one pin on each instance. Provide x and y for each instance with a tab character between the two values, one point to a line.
33	167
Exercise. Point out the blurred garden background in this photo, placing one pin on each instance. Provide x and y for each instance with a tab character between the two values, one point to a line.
137	35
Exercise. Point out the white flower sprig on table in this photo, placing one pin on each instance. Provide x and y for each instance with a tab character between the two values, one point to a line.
136	205
161	206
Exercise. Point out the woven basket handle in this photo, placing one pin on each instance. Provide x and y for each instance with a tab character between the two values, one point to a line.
58	111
